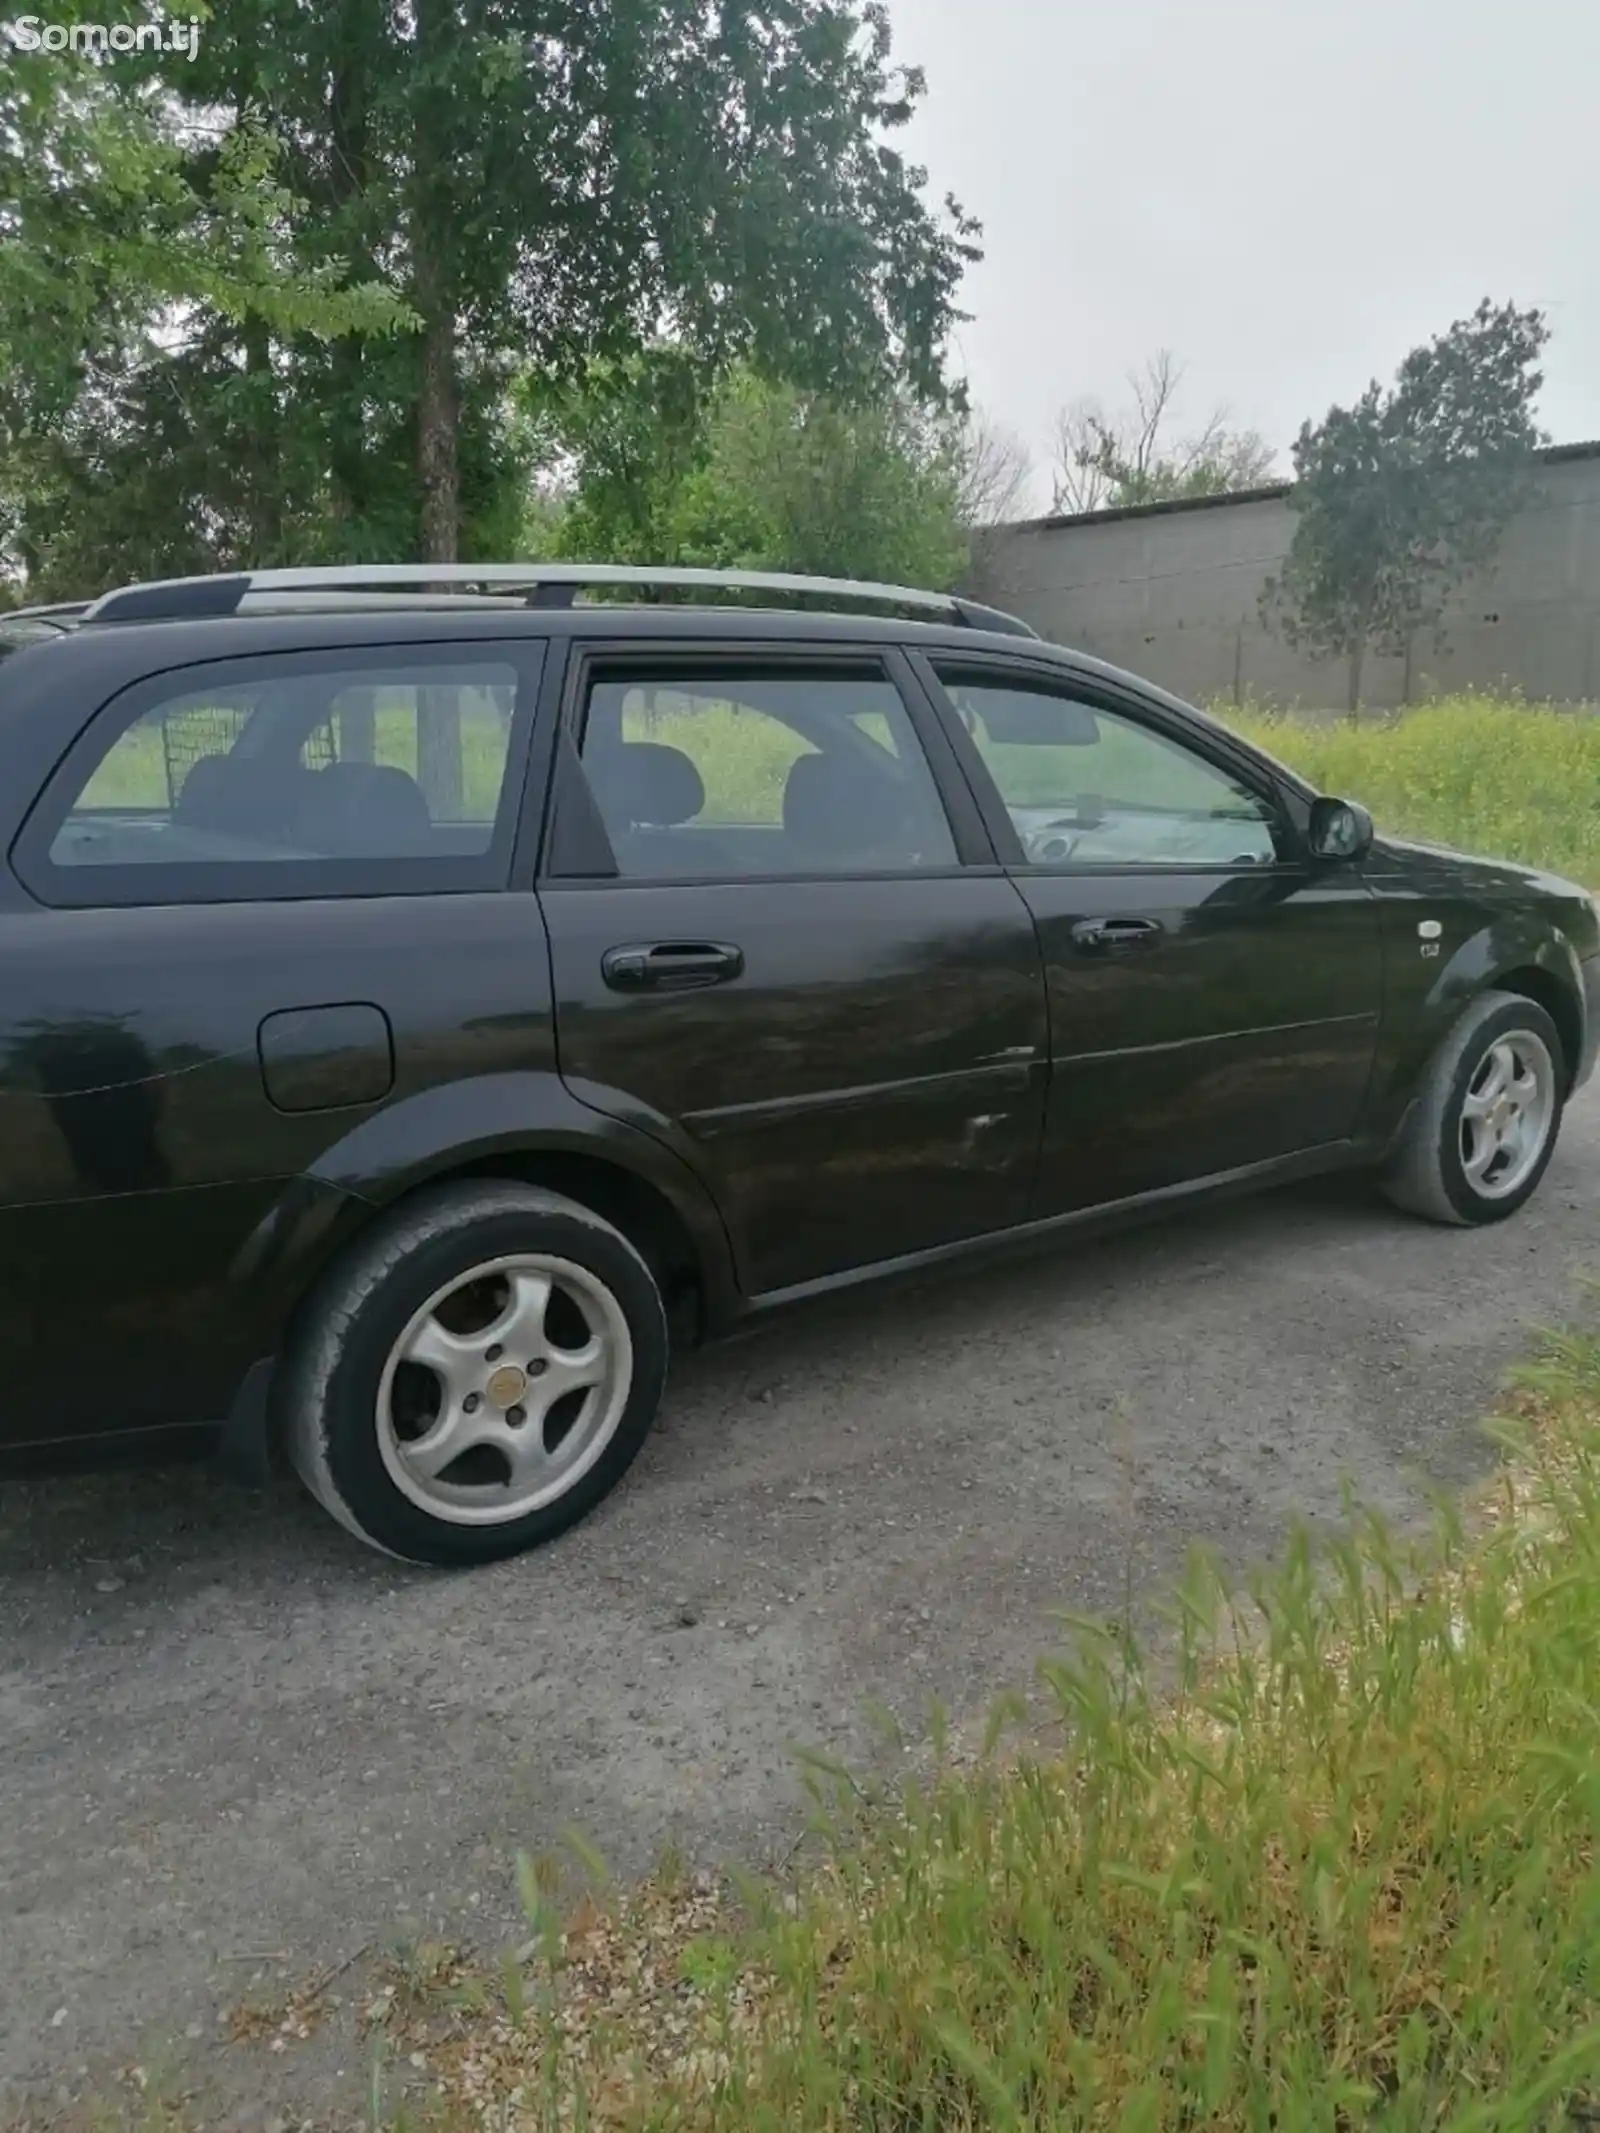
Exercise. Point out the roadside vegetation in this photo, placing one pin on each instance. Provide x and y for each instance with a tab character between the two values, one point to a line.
1490	775
1330	1865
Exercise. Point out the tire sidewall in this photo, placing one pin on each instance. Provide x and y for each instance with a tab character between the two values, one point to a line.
1469	1205
348	1424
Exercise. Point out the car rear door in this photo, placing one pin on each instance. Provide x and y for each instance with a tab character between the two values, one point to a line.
265	898
782	944
1214	992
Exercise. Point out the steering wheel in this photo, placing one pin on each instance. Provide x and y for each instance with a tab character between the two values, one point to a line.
1053	842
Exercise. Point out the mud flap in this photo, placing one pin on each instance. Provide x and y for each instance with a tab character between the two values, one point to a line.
243	1448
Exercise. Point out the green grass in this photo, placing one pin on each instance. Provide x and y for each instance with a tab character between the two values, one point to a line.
743	756
1337	1872
1492	776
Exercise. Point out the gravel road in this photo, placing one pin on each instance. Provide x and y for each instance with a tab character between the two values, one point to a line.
226	1733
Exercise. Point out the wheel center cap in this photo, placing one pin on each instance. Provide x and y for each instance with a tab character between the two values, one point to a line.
506	1386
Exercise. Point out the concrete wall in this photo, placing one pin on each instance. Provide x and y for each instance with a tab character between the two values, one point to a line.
1173	593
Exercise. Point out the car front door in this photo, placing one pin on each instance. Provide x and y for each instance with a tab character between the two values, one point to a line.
1213	991
782	944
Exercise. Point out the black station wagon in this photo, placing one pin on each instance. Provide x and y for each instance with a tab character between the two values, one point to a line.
427	993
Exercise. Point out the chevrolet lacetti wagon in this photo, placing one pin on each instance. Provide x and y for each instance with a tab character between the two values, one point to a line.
426	992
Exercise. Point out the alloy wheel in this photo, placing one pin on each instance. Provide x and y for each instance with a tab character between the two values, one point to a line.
504	1389
1507	1114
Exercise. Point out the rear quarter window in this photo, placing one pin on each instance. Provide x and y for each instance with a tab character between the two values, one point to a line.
375	773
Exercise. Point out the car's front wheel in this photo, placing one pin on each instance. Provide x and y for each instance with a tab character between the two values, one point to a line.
1486	1122
475	1374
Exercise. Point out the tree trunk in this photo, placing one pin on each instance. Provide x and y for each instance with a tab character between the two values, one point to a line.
438	397
262	475
439	767
264	483
358	726
439	738
438	472
1358	659
350	178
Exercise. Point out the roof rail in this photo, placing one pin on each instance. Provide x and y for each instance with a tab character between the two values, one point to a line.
542	584
45	611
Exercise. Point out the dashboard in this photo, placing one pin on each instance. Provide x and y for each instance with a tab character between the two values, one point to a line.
1090	831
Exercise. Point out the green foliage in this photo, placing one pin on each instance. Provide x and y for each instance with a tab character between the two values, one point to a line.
664	464
146	264
1133	456
618	443
791	480
264	304
1217	464
1402	496
709	1963
1494	777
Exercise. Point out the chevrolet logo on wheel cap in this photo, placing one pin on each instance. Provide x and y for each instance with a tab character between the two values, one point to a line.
507	1385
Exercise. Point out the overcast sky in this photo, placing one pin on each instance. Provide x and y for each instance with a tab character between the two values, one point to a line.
1288	194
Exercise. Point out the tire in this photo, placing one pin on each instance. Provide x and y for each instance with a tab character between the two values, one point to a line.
1429	1173
451	1461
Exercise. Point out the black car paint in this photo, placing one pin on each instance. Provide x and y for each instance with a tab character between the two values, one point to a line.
905	1069
1243	1031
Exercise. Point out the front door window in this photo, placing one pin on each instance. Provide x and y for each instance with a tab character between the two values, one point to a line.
1086	787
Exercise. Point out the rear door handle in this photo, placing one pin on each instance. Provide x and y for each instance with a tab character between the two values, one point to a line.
1116	936
670	966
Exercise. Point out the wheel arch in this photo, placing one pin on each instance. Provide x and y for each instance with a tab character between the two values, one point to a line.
622	1196
1513	951
1562	1002
526	1127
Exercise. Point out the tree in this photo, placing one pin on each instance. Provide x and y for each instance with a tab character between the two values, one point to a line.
657	462
516	186
994	468
612	449
141	254
1105	461
796	480
1400	498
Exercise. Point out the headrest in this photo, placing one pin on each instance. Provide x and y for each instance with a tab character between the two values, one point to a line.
831	807
240	796
203	785
645	785
363	811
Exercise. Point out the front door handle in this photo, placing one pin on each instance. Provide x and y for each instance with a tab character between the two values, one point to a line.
1116	936
670	966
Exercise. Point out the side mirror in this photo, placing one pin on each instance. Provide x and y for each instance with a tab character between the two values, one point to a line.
1340	829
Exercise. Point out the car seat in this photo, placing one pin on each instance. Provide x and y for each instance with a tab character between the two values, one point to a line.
839	813
646	793
363	811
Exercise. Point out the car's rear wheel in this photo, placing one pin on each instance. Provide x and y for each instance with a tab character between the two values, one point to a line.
476	1374
1486	1123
